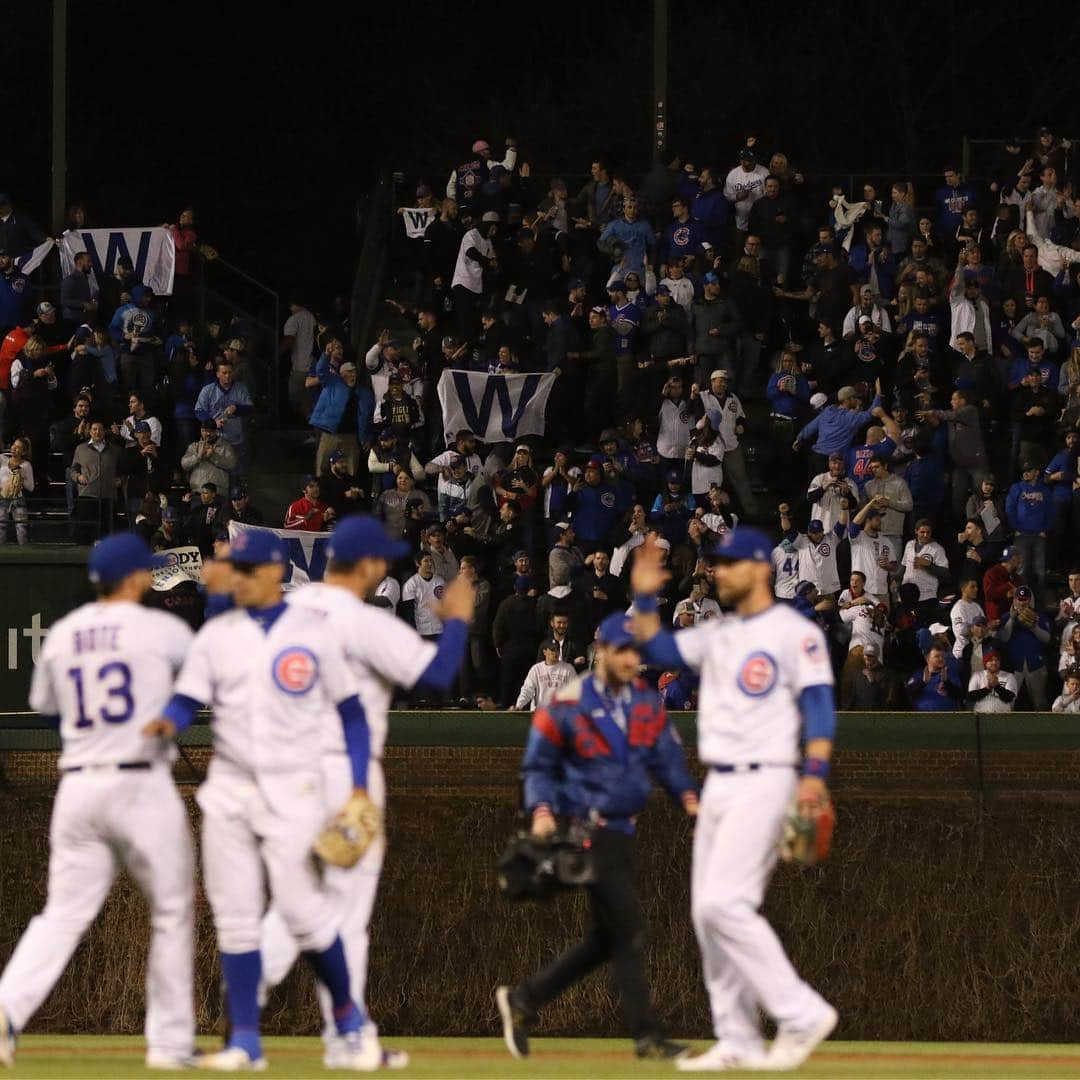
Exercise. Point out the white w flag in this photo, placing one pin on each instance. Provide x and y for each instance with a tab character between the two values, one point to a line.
417	219
495	408
307	552
29	262
151	251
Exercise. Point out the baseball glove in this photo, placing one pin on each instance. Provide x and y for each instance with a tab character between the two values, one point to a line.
808	830
350	832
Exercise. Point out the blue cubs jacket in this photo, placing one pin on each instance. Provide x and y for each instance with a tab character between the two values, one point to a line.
578	759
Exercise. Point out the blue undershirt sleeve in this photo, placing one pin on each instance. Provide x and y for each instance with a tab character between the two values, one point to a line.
818	710
445	664
357	738
663	651
181	711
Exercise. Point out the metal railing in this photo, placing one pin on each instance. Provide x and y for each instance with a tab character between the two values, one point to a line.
374	223
224	285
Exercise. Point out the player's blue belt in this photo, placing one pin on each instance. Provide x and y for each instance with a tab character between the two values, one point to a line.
119	765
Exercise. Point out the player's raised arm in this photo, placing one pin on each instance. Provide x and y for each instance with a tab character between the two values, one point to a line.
658	644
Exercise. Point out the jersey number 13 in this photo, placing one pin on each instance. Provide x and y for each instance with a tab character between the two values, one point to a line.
114	679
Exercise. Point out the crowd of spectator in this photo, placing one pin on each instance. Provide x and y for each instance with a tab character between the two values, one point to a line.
114	402
888	380
893	387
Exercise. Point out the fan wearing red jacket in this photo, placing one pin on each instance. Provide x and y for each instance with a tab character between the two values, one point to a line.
1000	581
309	513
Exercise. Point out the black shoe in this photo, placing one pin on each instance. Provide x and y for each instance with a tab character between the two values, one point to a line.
516	1021
655	1048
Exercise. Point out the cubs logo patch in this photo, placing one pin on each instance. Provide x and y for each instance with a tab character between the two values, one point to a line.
295	670
824	549
757	676
685	416
607	499
681	236
439	590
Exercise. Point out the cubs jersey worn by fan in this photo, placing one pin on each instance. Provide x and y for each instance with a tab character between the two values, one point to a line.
785	563
107	670
423	593
752	673
866	550
381	650
864	631
273	676
817	562
927	583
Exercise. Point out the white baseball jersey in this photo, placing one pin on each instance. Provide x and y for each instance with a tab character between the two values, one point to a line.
273	691
381	650
676	423
107	669
865	552
752	673
827	508
927	583
817	562
706	608
992	703
425	593
731	411
785	564
860	617
541	683
390	590
963	613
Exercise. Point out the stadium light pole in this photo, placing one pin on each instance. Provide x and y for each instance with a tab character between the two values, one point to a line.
660	56
59	112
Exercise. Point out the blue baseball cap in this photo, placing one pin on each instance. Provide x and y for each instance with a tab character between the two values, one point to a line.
815	525
742	543
615	630
362	537
254	546
712	278
616	286
575	283
662	290
113	558
141	426
522	583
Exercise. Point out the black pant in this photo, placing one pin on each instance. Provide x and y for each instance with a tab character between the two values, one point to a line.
617	934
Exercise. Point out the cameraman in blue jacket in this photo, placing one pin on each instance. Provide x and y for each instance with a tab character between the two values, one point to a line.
593	755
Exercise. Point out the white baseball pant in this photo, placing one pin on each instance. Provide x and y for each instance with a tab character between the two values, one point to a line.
352	892
258	831
735	851
103	819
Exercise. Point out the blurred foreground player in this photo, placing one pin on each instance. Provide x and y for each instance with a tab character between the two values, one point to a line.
277	681
592	756
765	679
384	653
105	671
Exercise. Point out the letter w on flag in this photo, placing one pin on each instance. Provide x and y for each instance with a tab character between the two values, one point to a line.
495	408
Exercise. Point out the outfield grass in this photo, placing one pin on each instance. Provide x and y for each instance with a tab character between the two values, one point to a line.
96	1057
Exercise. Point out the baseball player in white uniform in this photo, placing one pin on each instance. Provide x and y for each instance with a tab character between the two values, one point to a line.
105	671
382	653
765	679
277	681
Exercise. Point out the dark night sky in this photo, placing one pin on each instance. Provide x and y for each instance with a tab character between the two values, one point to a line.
271	118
